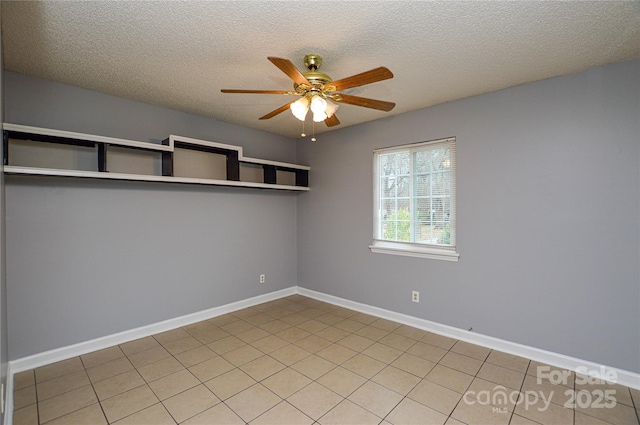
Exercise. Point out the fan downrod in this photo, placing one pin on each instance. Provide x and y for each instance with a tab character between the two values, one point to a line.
312	61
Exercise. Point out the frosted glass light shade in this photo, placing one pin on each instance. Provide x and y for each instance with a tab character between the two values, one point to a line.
300	107
319	116
318	104
331	109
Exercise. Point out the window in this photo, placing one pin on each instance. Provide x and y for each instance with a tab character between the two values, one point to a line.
414	211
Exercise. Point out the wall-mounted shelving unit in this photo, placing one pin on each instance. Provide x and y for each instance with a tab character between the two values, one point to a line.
99	157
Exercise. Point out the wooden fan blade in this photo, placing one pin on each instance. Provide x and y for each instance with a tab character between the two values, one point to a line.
332	121
288	68
363	101
257	91
276	112
367	77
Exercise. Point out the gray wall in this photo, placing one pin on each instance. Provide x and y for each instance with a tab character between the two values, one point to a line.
548	216
90	258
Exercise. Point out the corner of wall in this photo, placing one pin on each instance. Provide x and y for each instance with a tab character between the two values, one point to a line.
5	391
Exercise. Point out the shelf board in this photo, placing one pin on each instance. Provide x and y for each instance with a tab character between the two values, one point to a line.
10	169
86	137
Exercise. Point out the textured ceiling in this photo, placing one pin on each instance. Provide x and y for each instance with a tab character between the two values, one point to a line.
180	54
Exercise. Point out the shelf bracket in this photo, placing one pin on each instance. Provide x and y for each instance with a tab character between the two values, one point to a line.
233	166
167	164
302	178
102	157
270	175
5	147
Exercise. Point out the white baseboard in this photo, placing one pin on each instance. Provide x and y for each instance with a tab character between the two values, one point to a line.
70	351
8	401
623	377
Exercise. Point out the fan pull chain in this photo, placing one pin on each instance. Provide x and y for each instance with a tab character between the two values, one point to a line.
313	131
303	133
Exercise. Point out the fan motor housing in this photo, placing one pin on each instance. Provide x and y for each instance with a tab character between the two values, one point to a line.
316	78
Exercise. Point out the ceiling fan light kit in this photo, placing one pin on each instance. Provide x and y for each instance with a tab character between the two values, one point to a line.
317	90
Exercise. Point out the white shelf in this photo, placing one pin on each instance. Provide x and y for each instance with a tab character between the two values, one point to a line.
87	137
166	148
9	169
196	142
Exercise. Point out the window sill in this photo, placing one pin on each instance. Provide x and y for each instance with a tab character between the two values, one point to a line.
414	250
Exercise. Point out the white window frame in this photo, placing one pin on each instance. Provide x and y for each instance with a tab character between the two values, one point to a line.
414	249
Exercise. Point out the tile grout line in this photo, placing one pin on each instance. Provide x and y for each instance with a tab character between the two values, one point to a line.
449	416
84	368
35	383
636	408
520	391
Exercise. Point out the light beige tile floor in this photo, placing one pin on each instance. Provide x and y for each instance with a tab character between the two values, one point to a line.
301	361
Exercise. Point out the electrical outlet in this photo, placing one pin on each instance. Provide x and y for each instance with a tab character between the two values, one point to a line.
262	278
415	296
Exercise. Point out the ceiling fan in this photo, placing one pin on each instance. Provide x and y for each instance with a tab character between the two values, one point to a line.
316	90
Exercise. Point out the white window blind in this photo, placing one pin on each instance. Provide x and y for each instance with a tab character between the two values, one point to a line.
414	200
